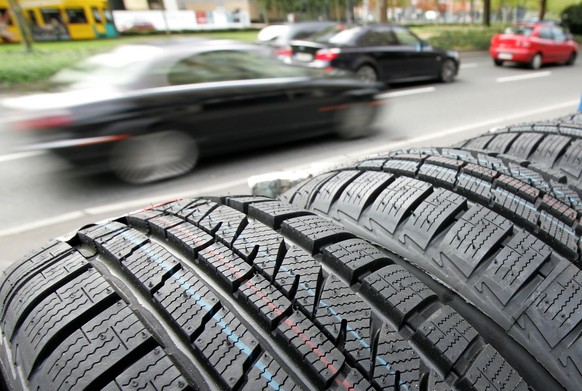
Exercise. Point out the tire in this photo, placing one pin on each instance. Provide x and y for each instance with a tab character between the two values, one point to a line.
154	156
491	231
235	293
498	62
555	145
571	59
355	121
367	74
536	61
448	71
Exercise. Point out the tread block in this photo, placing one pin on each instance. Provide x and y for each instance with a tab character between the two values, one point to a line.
257	243
402	167
478	142
187	301
318	352
397	201
556	311
268	376
353	257
75	300
491	372
396	290
230	268
514	266
447	334
331	190
39	284
228	346
476	170
521	210
371	164
313	232
159	225
571	162
560	235
476	235
189	238
242	203
161	374
93	349
224	222
480	189
273	213
501	142
304	192
438	175
360	191
559	210
522	189
549	149
265	300
524	145
433	214
194	211
140	219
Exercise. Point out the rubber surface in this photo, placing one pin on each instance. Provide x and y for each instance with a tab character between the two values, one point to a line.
554	145
241	293
495	233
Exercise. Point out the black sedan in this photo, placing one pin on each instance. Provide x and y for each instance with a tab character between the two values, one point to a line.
387	53
148	111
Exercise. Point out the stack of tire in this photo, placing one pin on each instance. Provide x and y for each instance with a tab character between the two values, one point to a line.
427	269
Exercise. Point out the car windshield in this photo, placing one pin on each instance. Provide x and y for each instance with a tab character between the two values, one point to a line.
118	68
519	30
336	35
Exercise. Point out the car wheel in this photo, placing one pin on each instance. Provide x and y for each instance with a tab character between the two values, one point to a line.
498	62
367	74
233	293
448	71
536	61
571	59
152	157
354	122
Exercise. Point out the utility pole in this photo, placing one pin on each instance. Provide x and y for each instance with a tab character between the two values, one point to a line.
25	33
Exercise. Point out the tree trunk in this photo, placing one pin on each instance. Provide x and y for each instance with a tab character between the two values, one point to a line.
25	34
487	13
383	17
543	4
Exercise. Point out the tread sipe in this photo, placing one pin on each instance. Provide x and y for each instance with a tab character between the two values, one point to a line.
494	232
554	145
240	293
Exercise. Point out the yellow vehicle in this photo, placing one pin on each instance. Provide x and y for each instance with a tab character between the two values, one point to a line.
51	20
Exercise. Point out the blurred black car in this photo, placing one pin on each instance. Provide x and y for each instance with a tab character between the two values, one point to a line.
279	36
148	111
387	53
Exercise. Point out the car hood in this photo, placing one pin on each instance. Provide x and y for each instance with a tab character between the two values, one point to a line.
61	100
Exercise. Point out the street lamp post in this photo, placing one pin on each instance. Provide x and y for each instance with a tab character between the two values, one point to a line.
25	34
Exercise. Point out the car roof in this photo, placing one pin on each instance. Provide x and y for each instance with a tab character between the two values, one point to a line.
190	45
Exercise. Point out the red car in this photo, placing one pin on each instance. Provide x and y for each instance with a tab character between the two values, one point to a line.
533	44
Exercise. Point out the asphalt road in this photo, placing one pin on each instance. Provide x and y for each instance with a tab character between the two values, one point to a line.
42	197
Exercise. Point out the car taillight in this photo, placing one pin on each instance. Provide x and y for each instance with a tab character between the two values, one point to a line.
48	122
284	52
327	54
524	44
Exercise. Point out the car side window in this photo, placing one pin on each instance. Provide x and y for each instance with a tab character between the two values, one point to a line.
546	33
405	37
377	38
212	67
558	34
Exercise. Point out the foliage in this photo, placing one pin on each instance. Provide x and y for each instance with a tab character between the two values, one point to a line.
460	37
572	18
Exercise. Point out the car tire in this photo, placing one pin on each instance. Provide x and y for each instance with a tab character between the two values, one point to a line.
555	146
571	59
498	62
367	73
355	121
479	226
448	71
154	156
536	61
233	293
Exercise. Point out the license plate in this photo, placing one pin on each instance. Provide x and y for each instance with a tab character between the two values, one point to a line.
304	57
505	56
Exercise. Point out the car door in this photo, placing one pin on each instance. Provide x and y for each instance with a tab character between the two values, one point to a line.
546	44
421	61
230	98
562	49
379	44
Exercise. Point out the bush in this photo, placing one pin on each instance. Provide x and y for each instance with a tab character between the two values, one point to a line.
572	18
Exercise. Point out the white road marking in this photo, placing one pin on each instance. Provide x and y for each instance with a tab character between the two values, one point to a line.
413	91
523	77
20	155
134	204
469	65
